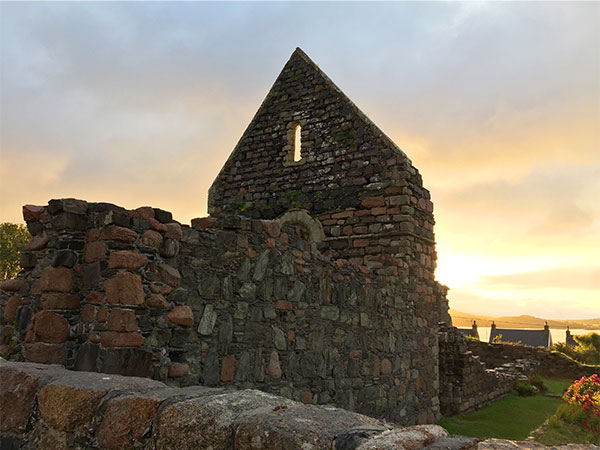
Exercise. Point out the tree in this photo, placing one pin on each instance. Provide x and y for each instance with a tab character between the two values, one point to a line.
13	238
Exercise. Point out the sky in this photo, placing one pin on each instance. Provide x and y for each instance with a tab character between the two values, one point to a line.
497	104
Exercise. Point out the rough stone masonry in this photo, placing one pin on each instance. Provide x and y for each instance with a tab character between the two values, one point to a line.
313	277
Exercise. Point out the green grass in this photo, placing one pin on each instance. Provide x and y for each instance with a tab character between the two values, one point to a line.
556	386
512	417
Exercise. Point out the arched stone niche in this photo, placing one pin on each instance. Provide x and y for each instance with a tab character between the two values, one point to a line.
312	227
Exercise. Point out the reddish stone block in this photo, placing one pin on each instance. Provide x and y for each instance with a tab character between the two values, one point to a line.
376	367
10	309
342	215
39	352
182	316
102	315
242	241
152	238
114	339
120	428
169	275
121	234
178	370
271	228
283	305
57	279
124	289
32	213
394	190
37	243
386	367
372	202
228	368
284	238
329	222
88	313
125	259
363	269
17	399
122	320
173	231
362	213
166	290
95	251
360	242
36	287
92	235
47	327
355	353
12	285
94	297
154	288
204	222
251	253
270	242
379	211
157	226
291	335
143	212
307	398
56	300
157	301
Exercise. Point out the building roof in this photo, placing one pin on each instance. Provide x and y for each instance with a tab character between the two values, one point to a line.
533	338
469	332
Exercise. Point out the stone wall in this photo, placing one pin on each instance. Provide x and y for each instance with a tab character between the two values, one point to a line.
47	407
465	382
530	360
229	301
363	200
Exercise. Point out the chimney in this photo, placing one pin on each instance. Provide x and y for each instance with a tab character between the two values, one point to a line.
568	334
546	327
474	327
493	325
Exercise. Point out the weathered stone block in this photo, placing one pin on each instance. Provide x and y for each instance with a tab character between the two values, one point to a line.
182	316
121	320
117	233
125	259
114	339
47	327
124	289
55	300
58	279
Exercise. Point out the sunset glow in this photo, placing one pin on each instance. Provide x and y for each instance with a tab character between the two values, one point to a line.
497	104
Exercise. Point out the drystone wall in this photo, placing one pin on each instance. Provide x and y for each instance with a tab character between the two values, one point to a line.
229	301
46	407
465	383
529	360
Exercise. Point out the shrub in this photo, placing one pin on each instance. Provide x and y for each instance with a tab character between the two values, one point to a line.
537	381
587	352
525	389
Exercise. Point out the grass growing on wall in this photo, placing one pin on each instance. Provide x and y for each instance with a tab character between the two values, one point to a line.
512	417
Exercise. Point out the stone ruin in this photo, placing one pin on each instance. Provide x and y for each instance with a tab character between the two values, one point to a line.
312	278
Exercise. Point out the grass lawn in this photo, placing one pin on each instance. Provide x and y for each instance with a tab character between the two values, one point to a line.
512	417
557	386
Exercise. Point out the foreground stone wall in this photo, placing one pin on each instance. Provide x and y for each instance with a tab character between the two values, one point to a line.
530	360
48	407
465	382
45	407
226	302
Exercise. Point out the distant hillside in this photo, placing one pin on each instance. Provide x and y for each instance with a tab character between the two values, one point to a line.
464	320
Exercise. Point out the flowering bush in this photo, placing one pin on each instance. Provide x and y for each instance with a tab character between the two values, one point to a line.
585	394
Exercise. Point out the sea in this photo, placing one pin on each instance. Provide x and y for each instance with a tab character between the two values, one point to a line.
558	334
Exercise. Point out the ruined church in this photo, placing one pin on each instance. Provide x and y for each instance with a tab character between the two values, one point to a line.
312	278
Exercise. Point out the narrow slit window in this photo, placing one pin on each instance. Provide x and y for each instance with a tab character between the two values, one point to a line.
297	143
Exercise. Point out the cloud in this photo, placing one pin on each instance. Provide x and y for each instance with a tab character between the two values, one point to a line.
557	277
